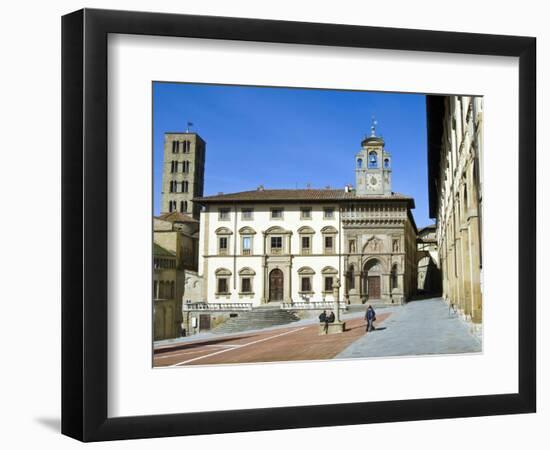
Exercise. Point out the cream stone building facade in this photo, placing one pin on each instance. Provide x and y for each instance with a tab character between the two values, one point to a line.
455	166
287	246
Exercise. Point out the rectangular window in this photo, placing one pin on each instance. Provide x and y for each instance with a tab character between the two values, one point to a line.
328	284
305	213
276	244
223	245
328	213
246	285
247	244
223	214
247	213
306	244
277	213
328	244
222	286
306	284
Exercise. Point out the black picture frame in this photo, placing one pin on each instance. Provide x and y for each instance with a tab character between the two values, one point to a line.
84	224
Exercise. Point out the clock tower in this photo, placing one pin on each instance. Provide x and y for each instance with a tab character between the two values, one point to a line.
373	166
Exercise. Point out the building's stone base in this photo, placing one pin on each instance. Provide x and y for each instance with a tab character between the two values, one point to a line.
333	328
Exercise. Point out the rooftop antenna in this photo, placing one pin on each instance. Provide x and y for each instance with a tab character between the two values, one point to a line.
189	125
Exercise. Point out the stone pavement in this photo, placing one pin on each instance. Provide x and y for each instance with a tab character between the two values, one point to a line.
421	327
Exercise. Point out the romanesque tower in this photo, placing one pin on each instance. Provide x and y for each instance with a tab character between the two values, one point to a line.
373	166
183	172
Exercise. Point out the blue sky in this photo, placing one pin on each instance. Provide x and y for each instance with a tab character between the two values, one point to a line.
287	138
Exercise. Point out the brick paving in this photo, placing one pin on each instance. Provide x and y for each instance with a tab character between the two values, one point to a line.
293	343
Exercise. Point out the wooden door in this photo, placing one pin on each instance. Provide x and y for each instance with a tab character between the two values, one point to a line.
204	322
276	285
373	287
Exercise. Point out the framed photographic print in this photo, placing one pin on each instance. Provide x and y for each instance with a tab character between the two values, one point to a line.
273	224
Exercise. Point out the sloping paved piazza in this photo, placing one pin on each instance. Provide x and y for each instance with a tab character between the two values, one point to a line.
421	327
296	342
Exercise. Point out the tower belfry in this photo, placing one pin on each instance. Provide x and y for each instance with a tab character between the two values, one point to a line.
373	166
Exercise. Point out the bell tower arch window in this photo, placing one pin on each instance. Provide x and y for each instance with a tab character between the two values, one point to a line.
373	160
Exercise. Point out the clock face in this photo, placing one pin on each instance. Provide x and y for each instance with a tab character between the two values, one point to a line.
373	182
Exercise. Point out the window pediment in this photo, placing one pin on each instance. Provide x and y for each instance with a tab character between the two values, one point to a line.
329	230
328	270
306	271
223	272
306	230
247	230
223	231
277	230
247	271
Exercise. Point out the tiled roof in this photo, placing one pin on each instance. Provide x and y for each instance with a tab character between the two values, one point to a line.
177	217
301	195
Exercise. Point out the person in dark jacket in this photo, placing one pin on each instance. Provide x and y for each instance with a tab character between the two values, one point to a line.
323	318
370	317
331	317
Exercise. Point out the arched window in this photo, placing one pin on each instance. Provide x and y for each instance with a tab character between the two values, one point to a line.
386	163
373	160
359	163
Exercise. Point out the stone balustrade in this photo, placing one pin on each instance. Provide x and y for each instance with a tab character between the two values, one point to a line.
313	305
214	307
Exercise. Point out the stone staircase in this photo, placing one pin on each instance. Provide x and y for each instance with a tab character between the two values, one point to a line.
258	318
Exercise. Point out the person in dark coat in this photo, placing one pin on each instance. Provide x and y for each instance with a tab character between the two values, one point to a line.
331	317
323	318
370	317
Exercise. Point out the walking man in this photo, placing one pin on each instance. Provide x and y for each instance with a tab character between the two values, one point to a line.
323	318
370	317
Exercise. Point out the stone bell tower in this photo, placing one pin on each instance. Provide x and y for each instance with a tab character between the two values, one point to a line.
183	172
373	166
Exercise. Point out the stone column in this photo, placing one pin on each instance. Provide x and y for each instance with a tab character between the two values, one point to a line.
466	279
337	326
475	279
336	293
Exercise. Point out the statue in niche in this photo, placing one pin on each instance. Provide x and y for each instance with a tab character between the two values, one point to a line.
395	245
